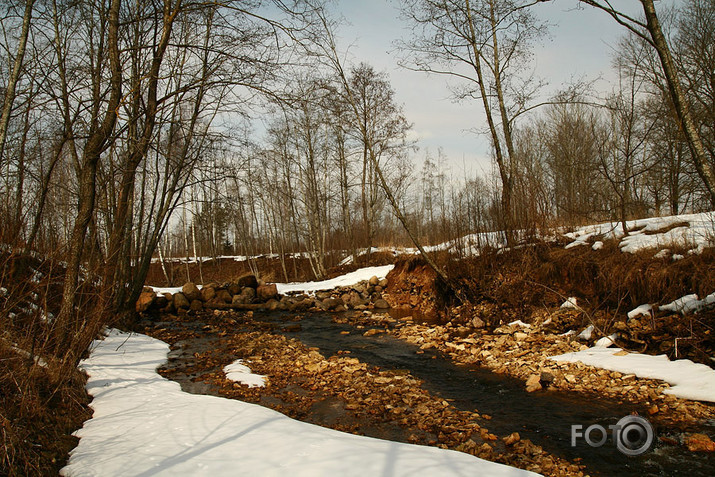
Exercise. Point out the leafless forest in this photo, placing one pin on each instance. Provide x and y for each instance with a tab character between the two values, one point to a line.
130	129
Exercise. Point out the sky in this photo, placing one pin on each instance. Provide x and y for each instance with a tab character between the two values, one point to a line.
580	44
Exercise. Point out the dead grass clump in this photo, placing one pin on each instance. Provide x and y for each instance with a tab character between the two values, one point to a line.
39	409
42	396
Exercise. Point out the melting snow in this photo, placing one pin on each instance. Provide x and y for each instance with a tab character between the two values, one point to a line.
240	373
143	424
690	380
341	281
689	304
640	310
606	341
586	334
689	230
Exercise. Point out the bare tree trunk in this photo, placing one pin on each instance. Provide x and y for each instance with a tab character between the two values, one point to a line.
695	143
15	75
87	186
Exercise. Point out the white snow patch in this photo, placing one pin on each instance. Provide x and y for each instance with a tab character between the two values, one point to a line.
606	341
696	232
520	323
240	373
665	253
571	302
342	281
162	290
586	334
640	310
689	304
568	333
689	380
143	424
598	245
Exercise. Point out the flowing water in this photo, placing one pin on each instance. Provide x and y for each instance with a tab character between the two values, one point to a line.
544	417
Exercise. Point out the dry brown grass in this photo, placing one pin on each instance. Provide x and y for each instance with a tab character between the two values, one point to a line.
42	396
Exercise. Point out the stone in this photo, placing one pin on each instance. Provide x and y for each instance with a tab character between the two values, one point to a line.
248	280
223	296
239	300
330	304
196	305
383	283
512	438
699	443
374	281
266	292
533	383
272	304
191	291
249	293
520	336
381	304
546	378
234	289
356	300
208	293
478	322
161	301
145	301
180	301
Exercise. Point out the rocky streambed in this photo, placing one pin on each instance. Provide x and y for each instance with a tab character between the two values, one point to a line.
370	373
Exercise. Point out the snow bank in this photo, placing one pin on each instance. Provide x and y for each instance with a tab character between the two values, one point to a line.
689	230
689	380
144	425
342	281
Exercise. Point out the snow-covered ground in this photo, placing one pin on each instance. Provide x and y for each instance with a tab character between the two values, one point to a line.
692	231
143	424
689	380
342	281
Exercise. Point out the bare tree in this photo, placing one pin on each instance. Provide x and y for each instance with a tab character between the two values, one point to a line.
10	88
485	45
650	31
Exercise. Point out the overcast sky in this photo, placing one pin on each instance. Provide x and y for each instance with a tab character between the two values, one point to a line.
580	44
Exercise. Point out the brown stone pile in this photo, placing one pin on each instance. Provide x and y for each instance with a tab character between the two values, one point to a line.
247	293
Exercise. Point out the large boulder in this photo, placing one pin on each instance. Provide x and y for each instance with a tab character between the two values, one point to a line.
249	293
330	304
239	299
191	291
223	296
266	292
208	293
196	305
249	280
145	301
180	301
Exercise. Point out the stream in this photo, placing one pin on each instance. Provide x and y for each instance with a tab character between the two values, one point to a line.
544	417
